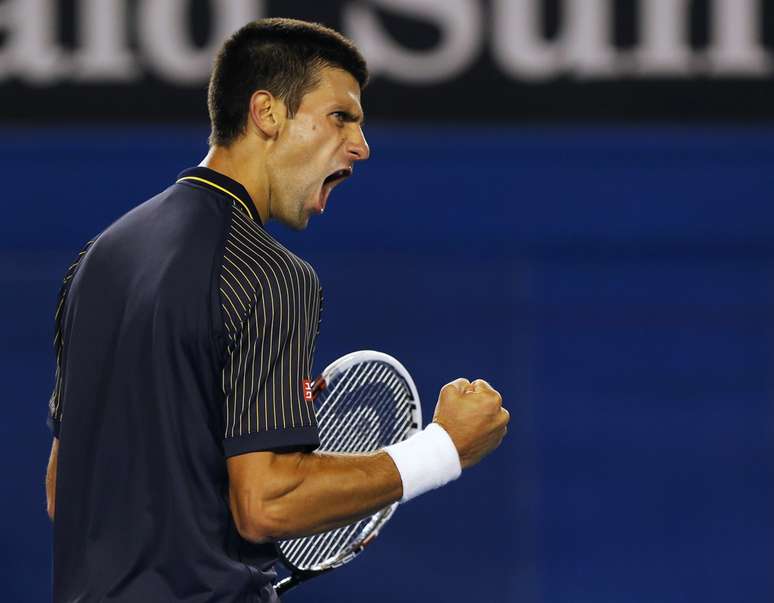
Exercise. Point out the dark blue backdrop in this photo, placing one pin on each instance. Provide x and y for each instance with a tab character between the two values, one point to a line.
614	284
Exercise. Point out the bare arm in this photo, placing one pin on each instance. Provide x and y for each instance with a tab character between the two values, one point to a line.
282	495
51	479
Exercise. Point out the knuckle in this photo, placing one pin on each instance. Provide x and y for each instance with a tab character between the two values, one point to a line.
494	400
457	384
449	387
485	387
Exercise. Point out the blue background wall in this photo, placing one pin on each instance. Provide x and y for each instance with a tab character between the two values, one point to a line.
615	285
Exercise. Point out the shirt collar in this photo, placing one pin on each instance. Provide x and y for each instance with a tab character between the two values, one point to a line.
222	184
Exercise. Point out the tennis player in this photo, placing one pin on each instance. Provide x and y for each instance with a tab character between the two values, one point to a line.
183	441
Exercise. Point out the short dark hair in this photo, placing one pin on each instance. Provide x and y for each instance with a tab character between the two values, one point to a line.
282	56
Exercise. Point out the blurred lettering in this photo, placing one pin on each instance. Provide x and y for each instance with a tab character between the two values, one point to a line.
582	48
737	47
459	21
665	49
30	50
165	40
104	53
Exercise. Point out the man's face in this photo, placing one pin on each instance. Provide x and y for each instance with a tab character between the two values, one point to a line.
316	149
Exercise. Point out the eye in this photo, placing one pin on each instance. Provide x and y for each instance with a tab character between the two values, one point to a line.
340	116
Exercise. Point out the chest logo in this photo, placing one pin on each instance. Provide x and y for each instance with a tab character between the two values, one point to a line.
307	387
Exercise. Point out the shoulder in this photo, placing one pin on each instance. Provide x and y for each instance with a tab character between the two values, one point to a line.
178	209
252	251
181	224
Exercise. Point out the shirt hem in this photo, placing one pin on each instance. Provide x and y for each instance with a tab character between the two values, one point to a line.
297	438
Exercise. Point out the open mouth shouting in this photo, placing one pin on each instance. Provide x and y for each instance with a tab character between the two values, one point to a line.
330	183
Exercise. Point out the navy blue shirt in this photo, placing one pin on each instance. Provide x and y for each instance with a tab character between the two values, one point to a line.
184	335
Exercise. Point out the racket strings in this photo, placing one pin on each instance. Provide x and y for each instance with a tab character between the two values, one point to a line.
386	402
361	422
363	409
328	547
331	418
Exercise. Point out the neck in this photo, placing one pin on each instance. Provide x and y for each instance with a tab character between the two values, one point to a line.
233	162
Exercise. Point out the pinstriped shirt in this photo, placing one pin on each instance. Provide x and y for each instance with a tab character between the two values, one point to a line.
271	302
185	334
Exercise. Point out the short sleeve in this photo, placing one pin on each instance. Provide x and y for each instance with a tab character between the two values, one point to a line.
270	308
55	406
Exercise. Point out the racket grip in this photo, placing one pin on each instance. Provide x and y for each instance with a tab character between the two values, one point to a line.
286	584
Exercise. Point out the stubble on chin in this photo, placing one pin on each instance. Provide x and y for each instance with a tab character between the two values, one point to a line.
302	221
302	216
298	221
295	217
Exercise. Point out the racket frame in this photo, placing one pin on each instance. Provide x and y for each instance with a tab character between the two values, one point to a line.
379	518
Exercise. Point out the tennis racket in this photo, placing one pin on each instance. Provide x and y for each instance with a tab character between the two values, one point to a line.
365	401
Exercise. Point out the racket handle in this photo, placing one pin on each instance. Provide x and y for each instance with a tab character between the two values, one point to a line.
286	584
295	579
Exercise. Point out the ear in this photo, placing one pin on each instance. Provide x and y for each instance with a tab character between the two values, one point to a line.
266	113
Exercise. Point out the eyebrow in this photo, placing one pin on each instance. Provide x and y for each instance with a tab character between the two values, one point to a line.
351	117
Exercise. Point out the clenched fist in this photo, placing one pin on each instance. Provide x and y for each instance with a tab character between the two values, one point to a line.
473	415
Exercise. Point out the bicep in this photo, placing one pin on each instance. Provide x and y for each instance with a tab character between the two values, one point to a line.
255	480
242	467
263	476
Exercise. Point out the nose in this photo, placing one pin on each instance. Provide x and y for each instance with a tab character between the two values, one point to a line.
357	147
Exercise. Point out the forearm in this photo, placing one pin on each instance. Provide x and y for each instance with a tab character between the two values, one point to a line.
306	493
51	479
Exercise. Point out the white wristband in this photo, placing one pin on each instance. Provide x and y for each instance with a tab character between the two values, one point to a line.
427	460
